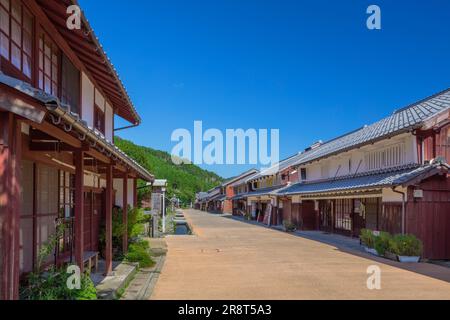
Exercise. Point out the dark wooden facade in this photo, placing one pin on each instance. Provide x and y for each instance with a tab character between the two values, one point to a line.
49	146
428	217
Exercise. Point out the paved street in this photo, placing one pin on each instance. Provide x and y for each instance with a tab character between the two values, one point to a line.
229	259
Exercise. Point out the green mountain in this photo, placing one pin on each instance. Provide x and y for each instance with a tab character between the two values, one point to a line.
183	180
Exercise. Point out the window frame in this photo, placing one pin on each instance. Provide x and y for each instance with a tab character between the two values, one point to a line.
7	64
54	61
98	111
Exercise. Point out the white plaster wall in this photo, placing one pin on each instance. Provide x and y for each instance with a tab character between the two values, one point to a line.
390	196
130	192
313	172
99	100
118	186
329	166
87	100
25	128
89	180
109	130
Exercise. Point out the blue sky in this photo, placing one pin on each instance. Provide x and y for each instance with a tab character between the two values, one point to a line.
309	68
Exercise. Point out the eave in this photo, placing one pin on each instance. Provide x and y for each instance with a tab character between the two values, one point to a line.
89	51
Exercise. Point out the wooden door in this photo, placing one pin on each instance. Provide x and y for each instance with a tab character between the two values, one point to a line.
308	215
93	206
359	216
287	215
326	215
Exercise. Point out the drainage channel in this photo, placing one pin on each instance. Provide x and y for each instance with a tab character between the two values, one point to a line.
181	225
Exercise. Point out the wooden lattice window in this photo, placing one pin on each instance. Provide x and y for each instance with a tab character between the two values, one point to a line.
16	36
66	194
48	65
70	85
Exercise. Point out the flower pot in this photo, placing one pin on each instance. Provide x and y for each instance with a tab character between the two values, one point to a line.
371	251
406	259
390	256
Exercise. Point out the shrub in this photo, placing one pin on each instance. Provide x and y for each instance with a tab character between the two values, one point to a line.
136	220
87	290
289	226
382	243
367	238
406	245
139	252
52	285
118	231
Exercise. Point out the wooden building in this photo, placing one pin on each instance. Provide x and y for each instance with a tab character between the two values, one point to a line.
59	94
389	176
256	192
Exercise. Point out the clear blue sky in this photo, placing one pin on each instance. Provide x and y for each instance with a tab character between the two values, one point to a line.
309	68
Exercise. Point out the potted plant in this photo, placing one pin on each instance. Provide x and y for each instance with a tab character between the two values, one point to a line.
368	241
382	243
288	226
407	247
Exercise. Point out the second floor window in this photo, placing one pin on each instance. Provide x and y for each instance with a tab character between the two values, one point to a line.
388	157
99	120
16	34
70	85
48	65
303	174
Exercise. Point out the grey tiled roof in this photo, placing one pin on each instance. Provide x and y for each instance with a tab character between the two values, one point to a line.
27	89
400	121
217	197
280	166
238	179
260	192
371	180
52	104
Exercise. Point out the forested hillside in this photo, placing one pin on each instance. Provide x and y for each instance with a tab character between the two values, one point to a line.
183	180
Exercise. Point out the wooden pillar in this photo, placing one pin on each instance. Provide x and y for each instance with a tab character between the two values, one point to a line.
125	213
434	154
10	157
79	208
108	217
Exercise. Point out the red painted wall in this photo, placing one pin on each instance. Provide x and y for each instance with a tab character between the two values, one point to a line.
437	144
228	203
429	217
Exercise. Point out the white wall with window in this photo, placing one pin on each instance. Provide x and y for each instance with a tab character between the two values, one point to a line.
118	187
397	151
109	123
87	102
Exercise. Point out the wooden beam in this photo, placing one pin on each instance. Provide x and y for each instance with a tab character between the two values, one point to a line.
57	133
108	217
121	168
54	147
39	135
99	156
12	100
79	208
